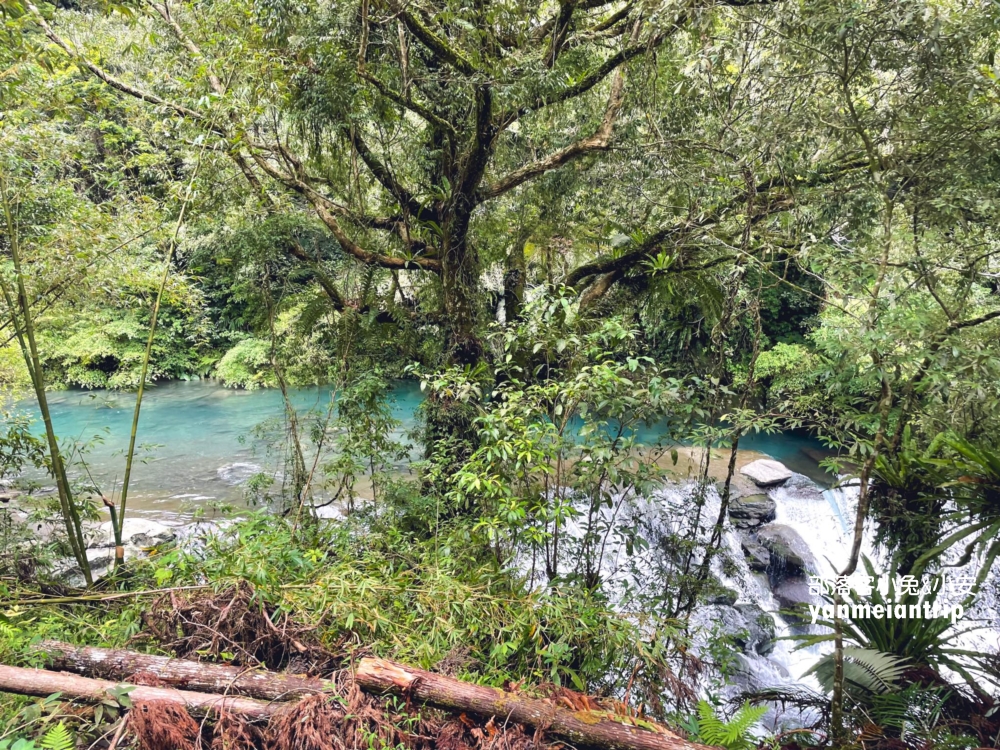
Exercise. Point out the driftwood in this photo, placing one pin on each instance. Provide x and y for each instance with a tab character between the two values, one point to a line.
42	682
119	664
591	728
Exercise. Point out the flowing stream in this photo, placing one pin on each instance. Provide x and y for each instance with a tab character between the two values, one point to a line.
198	440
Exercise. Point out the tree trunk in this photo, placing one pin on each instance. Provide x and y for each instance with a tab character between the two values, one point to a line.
590	728
513	283
44	683
119	664
460	285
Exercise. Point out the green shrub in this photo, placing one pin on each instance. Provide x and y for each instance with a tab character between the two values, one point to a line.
247	365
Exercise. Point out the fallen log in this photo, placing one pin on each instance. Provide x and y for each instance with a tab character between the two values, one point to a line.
119	664
590	728
42	682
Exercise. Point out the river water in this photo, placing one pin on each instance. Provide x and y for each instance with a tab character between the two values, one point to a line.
198	440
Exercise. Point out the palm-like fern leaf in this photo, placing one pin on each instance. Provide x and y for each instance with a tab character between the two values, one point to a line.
867	672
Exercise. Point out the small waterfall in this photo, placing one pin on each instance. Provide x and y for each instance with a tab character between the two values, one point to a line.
817	523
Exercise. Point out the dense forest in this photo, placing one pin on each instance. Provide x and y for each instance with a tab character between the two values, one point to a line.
622	251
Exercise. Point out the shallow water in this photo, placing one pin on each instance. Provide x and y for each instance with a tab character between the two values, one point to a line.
199	440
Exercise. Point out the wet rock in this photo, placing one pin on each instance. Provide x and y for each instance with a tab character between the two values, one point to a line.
793	596
799	488
714	620
766	472
751	511
790	554
723	596
756	554
739	487
749	627
761	629
136	532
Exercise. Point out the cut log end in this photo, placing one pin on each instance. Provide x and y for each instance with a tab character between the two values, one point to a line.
384	674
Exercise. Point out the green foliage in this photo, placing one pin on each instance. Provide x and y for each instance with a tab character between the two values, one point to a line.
558	442
13	374
783	369
102	347
867	673
247	365
19	445
734	734
364	442
424	601
927	641
58	738
17	744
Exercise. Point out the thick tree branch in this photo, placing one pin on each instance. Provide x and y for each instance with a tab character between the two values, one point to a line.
478	157
675	232
325	208
184	39
600	140
435	44
388	180
560	31
407	102
597	75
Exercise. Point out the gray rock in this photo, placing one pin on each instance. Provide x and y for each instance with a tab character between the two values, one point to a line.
760	628
793	596
766	473
752	510
790	554
739	487
800	488
146	541
751	629
723	596
756	554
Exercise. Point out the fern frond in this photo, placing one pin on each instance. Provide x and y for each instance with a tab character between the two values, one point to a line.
58	738
732	735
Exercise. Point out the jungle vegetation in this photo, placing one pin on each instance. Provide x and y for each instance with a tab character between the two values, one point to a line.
732	215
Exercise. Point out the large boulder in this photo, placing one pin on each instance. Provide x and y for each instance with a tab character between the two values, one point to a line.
790	554
799	488
751	629
722	595
766	472
761	630
137	533
793	596
751	511
758	558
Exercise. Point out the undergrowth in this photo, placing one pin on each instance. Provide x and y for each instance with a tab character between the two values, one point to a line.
346	590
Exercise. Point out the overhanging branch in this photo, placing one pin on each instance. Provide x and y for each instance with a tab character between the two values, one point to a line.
325	208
